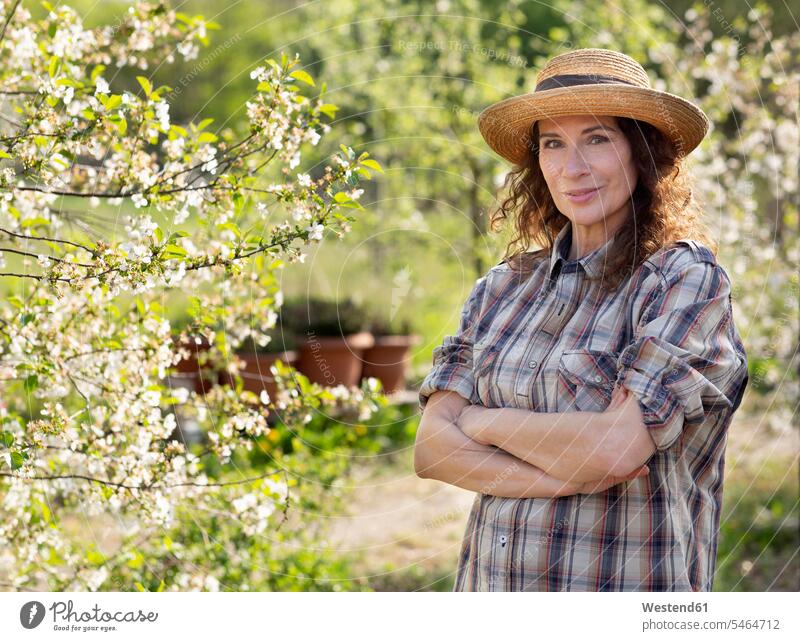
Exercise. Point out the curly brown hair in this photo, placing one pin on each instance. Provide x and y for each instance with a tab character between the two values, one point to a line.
662	202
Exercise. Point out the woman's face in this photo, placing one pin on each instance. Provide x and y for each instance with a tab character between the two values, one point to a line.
580	153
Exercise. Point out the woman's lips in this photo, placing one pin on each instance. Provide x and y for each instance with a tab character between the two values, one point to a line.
582	198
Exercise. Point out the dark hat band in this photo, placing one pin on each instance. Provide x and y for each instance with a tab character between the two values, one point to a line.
571	80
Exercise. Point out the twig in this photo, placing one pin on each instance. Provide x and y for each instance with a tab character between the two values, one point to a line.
92	479
19	252
8	19
44	238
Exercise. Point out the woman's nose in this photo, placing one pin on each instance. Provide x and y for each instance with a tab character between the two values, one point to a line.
575	163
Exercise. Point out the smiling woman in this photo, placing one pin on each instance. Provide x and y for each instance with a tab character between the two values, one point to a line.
603	370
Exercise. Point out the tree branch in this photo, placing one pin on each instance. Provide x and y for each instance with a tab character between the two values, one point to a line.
123	486
8	19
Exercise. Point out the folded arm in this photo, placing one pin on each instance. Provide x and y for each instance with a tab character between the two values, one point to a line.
443	452
573	446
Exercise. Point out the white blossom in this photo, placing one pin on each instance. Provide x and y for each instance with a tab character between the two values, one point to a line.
315	231
101	86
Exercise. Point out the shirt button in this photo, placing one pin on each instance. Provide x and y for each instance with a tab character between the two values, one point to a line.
532	364
598	379
503	540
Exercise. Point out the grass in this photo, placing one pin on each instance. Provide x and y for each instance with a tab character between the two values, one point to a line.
759	535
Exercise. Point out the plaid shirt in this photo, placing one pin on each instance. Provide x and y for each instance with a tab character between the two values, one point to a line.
550	341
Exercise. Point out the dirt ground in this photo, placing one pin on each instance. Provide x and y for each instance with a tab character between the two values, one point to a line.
406	529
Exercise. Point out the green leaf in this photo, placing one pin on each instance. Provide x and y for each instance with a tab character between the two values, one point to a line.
177	234
53	68
204	123
17	460
54	558
98	69
174	250
341	197
95	558
178	130
303	76
140	587
112	102
5	154
329	110
372	164
33	222
161	90
206	136
6	438
145	83
120	123
31	383
46	515
194	308
136	562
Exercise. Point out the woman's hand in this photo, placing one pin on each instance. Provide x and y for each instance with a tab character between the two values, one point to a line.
624	406
593	487
619	396
473	420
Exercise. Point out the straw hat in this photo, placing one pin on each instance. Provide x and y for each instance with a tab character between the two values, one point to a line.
591	81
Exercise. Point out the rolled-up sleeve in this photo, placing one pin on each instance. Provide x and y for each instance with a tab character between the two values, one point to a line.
687	359
452	360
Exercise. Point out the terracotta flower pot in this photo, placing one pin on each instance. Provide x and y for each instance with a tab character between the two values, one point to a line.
332	361
387	360
256	375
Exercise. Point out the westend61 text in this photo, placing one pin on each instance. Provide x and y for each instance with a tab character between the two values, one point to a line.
675	607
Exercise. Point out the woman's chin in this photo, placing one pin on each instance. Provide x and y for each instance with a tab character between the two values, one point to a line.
585	217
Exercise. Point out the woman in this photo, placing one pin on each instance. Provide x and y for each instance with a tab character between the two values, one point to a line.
588	391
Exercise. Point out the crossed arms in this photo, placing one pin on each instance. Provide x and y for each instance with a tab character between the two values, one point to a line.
516	453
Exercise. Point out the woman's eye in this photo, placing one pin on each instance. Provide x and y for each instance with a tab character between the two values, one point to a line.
593	140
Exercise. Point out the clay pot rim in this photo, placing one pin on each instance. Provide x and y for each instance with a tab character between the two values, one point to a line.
359	340
285	355
397	340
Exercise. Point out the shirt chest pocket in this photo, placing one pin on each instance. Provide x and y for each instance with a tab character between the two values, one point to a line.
587	378
484	359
